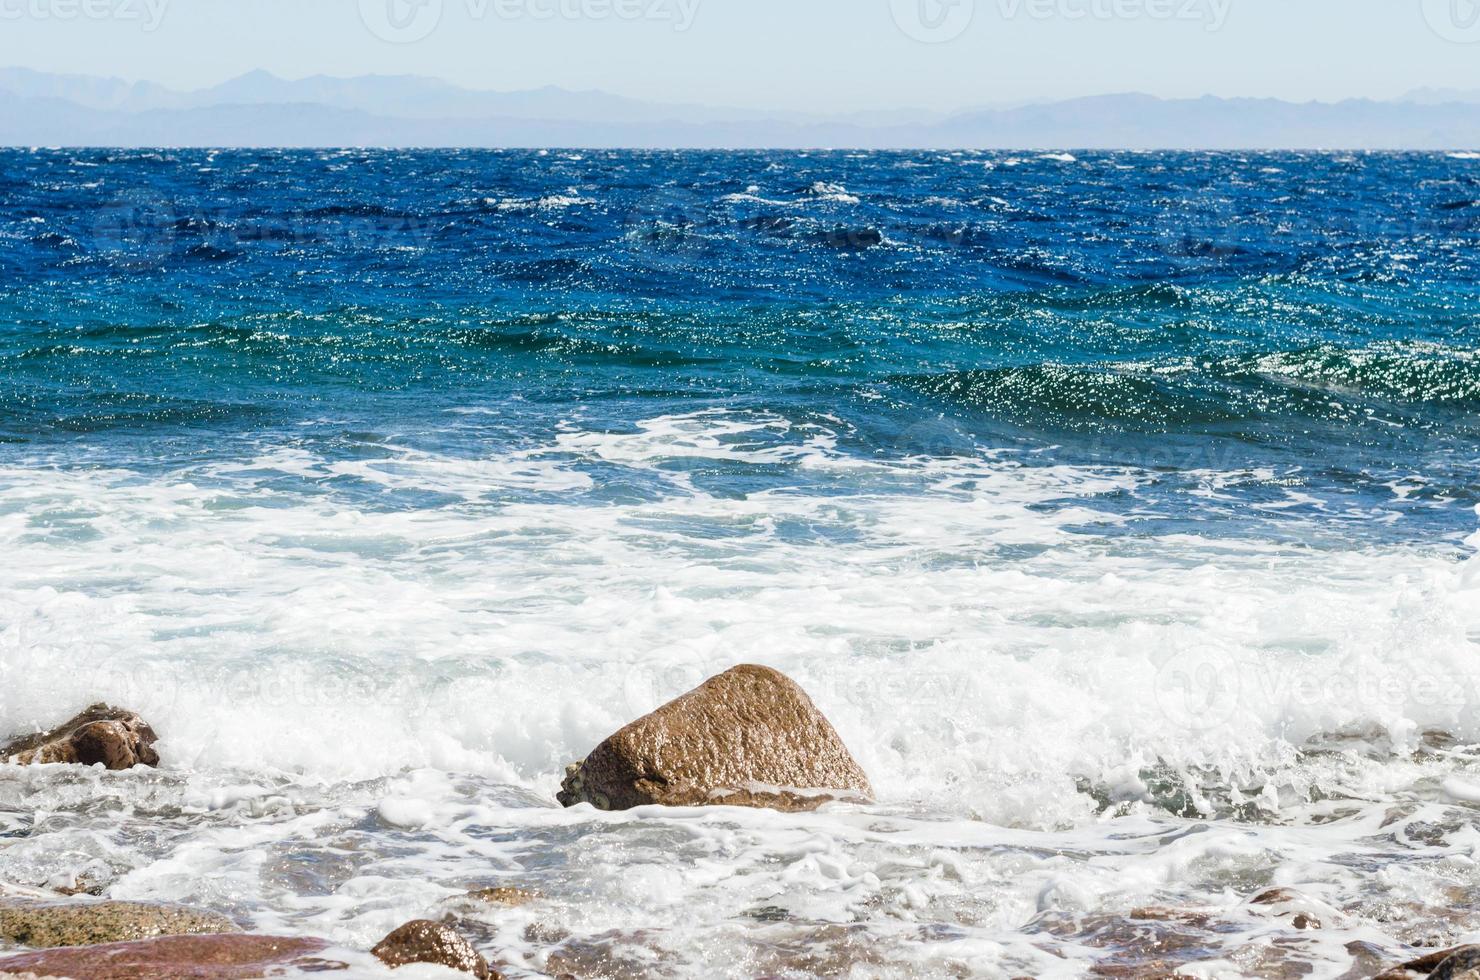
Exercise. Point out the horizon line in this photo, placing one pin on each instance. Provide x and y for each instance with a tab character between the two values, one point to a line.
1006	105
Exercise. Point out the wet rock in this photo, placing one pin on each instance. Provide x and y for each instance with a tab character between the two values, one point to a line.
424	941
111	737
618	954
1367	961
1429	962
43	925
511	898
1302	912
75	885
227	957
1461	964
1275	896
1154	970
1190	917
749	737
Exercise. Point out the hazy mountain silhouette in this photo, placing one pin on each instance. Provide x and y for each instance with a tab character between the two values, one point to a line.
1439	96
260	109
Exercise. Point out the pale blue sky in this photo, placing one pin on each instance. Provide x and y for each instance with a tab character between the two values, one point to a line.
826	55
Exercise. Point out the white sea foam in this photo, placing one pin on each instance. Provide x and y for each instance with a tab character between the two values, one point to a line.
550	202
394	692
837	193
751	197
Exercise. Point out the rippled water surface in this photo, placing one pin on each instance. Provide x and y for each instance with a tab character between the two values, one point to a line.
1119	510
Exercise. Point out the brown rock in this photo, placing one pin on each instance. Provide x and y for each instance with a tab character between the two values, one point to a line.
749	737
424	941
1461	964
228	957
112	737
507	897
1430	962
1275	896
1158	914
1154	970
47	924
1284	902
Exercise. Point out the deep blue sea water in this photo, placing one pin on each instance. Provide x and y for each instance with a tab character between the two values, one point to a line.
1310	319
1120	509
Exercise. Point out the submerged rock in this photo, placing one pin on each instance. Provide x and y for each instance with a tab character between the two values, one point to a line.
749	737
1301	912
112	737
1461	964
1275	896
43	925
228	957
424	941
505	896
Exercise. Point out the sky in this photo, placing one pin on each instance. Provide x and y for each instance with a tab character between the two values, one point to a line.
796	55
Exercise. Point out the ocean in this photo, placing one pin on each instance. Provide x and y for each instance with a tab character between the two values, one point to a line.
1121	511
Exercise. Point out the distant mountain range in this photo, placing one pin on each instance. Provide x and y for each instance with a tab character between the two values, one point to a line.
260	109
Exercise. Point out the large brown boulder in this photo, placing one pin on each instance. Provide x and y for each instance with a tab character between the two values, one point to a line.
749	737
229	957
112	737
424	941
46	924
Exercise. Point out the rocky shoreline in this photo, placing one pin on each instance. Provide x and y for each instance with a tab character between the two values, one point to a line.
749	737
